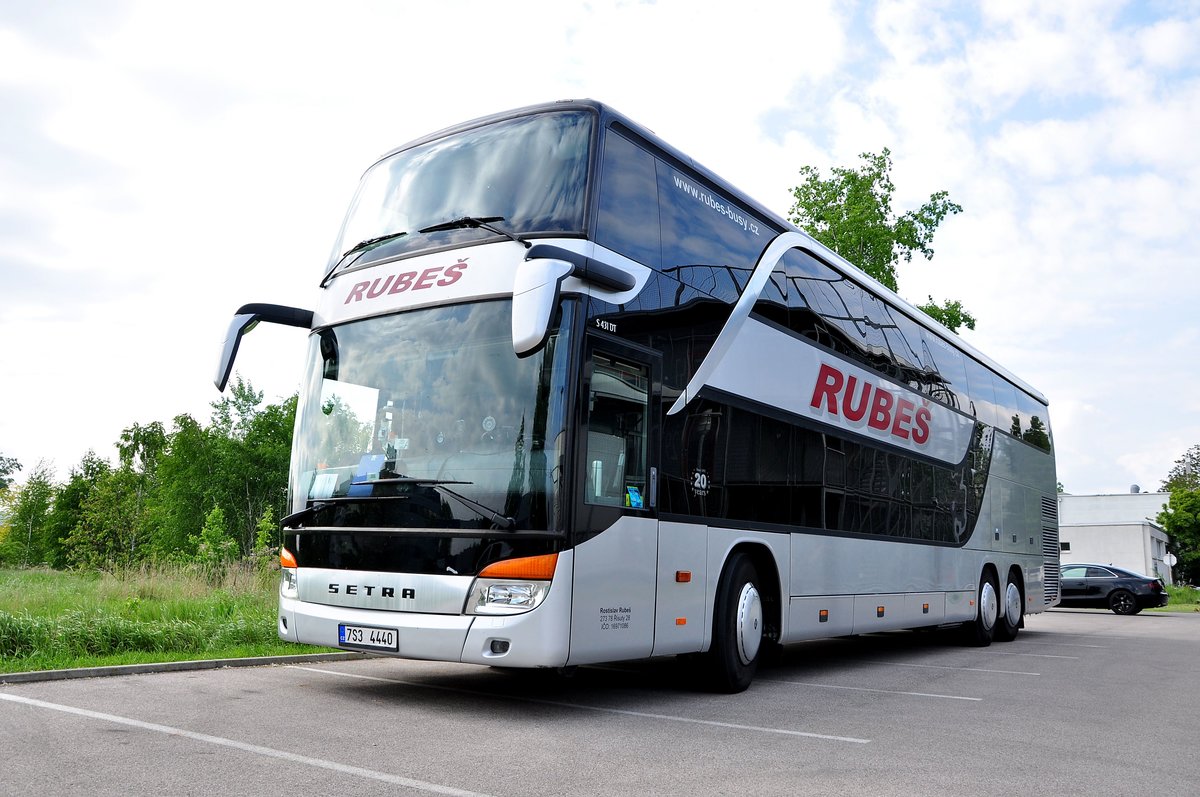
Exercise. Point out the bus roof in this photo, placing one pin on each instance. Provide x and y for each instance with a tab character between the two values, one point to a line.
608	115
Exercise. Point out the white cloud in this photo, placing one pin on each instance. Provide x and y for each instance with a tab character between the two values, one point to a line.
164	164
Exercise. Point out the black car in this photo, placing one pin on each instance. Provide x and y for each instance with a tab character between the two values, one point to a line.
1108	587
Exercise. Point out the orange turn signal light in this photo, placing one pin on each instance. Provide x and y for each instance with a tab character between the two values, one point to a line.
538	568
287	558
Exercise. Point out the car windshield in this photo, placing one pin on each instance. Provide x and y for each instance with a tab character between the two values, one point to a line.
427	419
529	173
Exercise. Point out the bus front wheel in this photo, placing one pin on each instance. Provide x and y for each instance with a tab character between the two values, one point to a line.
737	627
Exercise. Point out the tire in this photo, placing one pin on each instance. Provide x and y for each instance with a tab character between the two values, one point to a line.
737	640
980	631
1011	611
1121	601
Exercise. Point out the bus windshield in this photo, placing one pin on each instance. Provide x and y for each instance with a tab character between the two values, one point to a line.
426	419
529	174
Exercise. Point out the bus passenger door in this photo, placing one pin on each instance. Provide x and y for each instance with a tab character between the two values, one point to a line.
615	498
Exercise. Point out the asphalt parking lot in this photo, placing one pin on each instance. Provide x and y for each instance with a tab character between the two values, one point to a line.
1083	702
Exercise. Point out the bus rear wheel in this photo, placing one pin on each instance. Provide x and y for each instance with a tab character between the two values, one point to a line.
1011	609
737	627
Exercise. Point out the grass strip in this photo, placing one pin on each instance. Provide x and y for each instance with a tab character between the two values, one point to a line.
61	620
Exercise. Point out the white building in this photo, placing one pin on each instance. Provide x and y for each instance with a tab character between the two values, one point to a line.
1120	530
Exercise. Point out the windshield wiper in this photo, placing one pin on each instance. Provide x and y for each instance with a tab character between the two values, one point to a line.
473	222
360	248
504	522
378	239
325	503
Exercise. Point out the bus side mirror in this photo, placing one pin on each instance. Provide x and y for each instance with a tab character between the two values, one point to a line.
535	295
246	318
538	283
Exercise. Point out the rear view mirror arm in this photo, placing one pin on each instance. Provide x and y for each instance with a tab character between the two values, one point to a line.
245	319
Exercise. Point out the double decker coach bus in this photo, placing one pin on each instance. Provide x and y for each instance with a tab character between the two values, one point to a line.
572	398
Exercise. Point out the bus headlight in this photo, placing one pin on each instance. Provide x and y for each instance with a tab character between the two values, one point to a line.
287	570
512	586
506	597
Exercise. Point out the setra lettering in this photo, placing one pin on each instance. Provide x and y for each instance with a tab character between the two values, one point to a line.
406	593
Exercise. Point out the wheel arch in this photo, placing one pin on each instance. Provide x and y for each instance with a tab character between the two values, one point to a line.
1017	574
990	567
770	588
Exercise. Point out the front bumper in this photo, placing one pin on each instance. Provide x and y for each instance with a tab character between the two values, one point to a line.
538	638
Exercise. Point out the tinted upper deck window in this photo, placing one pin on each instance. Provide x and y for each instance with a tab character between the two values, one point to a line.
627	219
701	226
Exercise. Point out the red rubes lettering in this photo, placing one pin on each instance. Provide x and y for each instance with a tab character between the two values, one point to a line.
403	282
829	382
881	410
453	273
375	290
854	399
440	276
920	432
901	425
427	278
855	413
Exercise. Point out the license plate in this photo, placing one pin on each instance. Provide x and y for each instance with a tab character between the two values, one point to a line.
368	637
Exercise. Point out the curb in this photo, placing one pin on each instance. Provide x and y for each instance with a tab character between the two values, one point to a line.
171	666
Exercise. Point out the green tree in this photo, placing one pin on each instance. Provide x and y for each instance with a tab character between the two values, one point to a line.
851	213
1181	516
215	549
109	531
1185	473
253	458
235	410
238	462
189	482
1181	520
25	544
139	449
8	467
266	543
949	313
69	505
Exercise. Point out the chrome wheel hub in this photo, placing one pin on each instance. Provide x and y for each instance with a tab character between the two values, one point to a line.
749	623
1012	604
989	605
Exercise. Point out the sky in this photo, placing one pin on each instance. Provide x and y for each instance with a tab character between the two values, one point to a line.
163	163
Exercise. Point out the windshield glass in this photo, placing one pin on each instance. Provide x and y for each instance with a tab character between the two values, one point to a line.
530	172
427	419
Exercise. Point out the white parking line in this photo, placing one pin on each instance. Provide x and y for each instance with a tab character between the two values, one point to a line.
1031	655
865	689
601	709
947	667
345	769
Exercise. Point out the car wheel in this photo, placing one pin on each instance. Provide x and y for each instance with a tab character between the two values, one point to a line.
981	630
1122	601
1010	611
737	627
